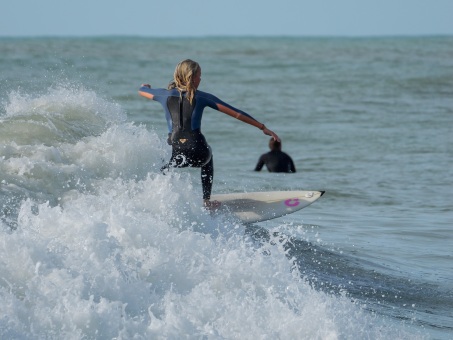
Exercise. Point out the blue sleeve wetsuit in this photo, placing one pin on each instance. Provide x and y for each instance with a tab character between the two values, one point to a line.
202	100
189	147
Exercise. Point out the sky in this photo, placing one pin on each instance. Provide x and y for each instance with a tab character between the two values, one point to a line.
193	18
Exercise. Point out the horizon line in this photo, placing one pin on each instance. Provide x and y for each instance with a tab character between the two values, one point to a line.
412	35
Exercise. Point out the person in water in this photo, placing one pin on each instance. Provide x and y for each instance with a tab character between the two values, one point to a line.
276	160
183	104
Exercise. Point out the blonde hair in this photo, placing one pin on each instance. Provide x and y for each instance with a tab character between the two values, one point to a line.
183	76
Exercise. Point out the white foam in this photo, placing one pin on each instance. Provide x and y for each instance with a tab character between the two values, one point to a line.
122	251
125	262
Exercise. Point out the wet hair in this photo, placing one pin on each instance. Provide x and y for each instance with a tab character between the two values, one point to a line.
183	76
274	144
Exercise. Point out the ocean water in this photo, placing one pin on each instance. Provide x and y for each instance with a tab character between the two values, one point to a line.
95	243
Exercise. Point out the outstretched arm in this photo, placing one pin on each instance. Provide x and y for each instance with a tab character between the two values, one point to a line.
247	119
144	93
271	133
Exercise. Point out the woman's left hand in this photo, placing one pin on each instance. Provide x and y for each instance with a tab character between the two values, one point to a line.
271	133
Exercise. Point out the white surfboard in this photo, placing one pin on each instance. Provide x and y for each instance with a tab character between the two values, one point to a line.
250	207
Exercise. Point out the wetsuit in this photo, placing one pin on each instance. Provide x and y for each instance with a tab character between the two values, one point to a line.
189	147
276	161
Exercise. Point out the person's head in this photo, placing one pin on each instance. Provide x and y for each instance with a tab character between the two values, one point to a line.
275	145
186	78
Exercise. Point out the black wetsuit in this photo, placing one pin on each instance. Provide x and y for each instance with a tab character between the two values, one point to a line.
276	161
189	147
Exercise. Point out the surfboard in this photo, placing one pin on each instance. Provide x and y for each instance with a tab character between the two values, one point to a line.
251	207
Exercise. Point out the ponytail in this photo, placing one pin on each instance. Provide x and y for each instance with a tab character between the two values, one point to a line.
183	76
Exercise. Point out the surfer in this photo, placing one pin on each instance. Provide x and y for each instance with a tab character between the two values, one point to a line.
183	104
276	160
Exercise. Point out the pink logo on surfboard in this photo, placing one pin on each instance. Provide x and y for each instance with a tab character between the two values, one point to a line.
292	202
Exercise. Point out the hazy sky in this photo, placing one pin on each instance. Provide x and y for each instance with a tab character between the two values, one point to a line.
230	17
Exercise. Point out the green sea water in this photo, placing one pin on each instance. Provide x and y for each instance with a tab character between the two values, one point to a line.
96	243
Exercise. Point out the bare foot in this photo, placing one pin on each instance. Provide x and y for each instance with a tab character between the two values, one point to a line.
211	205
